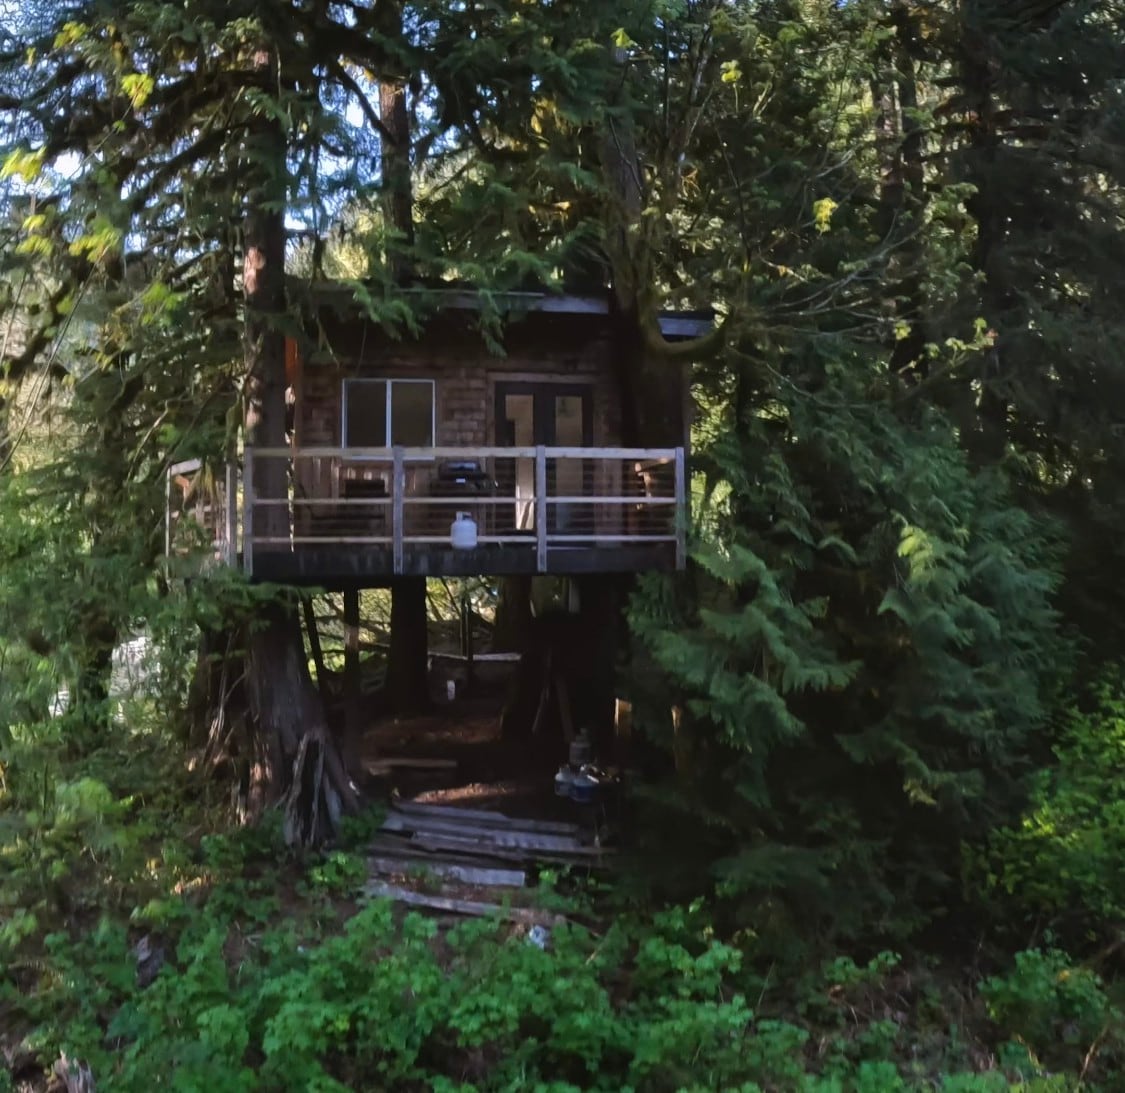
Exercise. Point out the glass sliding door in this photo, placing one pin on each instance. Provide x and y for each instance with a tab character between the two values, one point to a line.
567	476
519	416
554	415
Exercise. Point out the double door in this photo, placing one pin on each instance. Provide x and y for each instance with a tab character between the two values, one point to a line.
555	415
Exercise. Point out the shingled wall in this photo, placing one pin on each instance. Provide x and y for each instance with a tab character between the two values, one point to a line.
548	348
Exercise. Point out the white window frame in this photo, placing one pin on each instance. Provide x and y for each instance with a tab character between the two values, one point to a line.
390	381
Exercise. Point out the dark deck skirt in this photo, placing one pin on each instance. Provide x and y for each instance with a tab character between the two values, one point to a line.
342	566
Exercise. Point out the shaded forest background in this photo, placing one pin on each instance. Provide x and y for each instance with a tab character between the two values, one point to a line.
895	657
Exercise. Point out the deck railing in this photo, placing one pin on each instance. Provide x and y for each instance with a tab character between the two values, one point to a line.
201	514
542	498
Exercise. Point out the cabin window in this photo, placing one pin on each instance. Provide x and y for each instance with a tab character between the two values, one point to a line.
385	413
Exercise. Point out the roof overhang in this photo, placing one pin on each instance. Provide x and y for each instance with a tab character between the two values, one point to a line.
673	324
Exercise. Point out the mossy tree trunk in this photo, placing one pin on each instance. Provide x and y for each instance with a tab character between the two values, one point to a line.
407	687
270	720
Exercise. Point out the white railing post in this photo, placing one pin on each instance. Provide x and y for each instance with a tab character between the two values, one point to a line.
541	508
681	510
232	515
248	510
398	490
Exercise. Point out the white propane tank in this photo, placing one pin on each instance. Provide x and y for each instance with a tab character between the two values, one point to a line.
463	532
581	750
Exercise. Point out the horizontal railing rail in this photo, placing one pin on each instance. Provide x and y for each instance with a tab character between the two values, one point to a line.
495	452
539	498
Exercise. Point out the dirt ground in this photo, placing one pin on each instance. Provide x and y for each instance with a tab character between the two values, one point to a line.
515	777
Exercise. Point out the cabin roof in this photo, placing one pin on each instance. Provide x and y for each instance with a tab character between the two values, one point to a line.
674	324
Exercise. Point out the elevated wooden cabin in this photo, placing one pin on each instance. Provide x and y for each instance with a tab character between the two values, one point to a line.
390	439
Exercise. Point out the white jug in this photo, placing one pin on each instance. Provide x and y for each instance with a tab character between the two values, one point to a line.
463	532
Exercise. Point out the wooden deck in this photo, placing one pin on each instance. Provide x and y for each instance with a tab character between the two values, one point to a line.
340	516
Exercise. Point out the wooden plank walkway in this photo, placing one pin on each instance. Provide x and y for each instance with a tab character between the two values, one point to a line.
448	854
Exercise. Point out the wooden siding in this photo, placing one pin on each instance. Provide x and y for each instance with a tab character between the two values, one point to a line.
546	349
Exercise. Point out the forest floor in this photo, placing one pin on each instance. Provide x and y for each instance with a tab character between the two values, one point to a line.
483	770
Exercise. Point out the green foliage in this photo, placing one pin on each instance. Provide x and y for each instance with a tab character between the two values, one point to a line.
263	987
892	518
1057	866
861	669
1059	1013
339	874
392	1002
48	849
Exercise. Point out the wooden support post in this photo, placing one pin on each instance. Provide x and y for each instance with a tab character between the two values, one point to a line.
407	675
623	718
309	612
353	714
168	514
232	515
467	640
248	511
681	510
398	491
540	509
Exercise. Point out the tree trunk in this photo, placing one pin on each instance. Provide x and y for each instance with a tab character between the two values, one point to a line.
513	615
898	139
295	758
602	600
98	622
407	678
217	674
5	433
308	610
407	683
289	752
258	721
398	196
353	699
90	695
652	380
988	207
263	279
398	200
910	351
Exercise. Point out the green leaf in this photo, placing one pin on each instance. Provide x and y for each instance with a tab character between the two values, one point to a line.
897	603
138	87
24	163
822	213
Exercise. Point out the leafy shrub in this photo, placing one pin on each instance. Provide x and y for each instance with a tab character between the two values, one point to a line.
391	1001
340	873
1062	863
1059	1012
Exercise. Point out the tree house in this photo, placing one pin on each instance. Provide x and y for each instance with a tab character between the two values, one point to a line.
389	439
